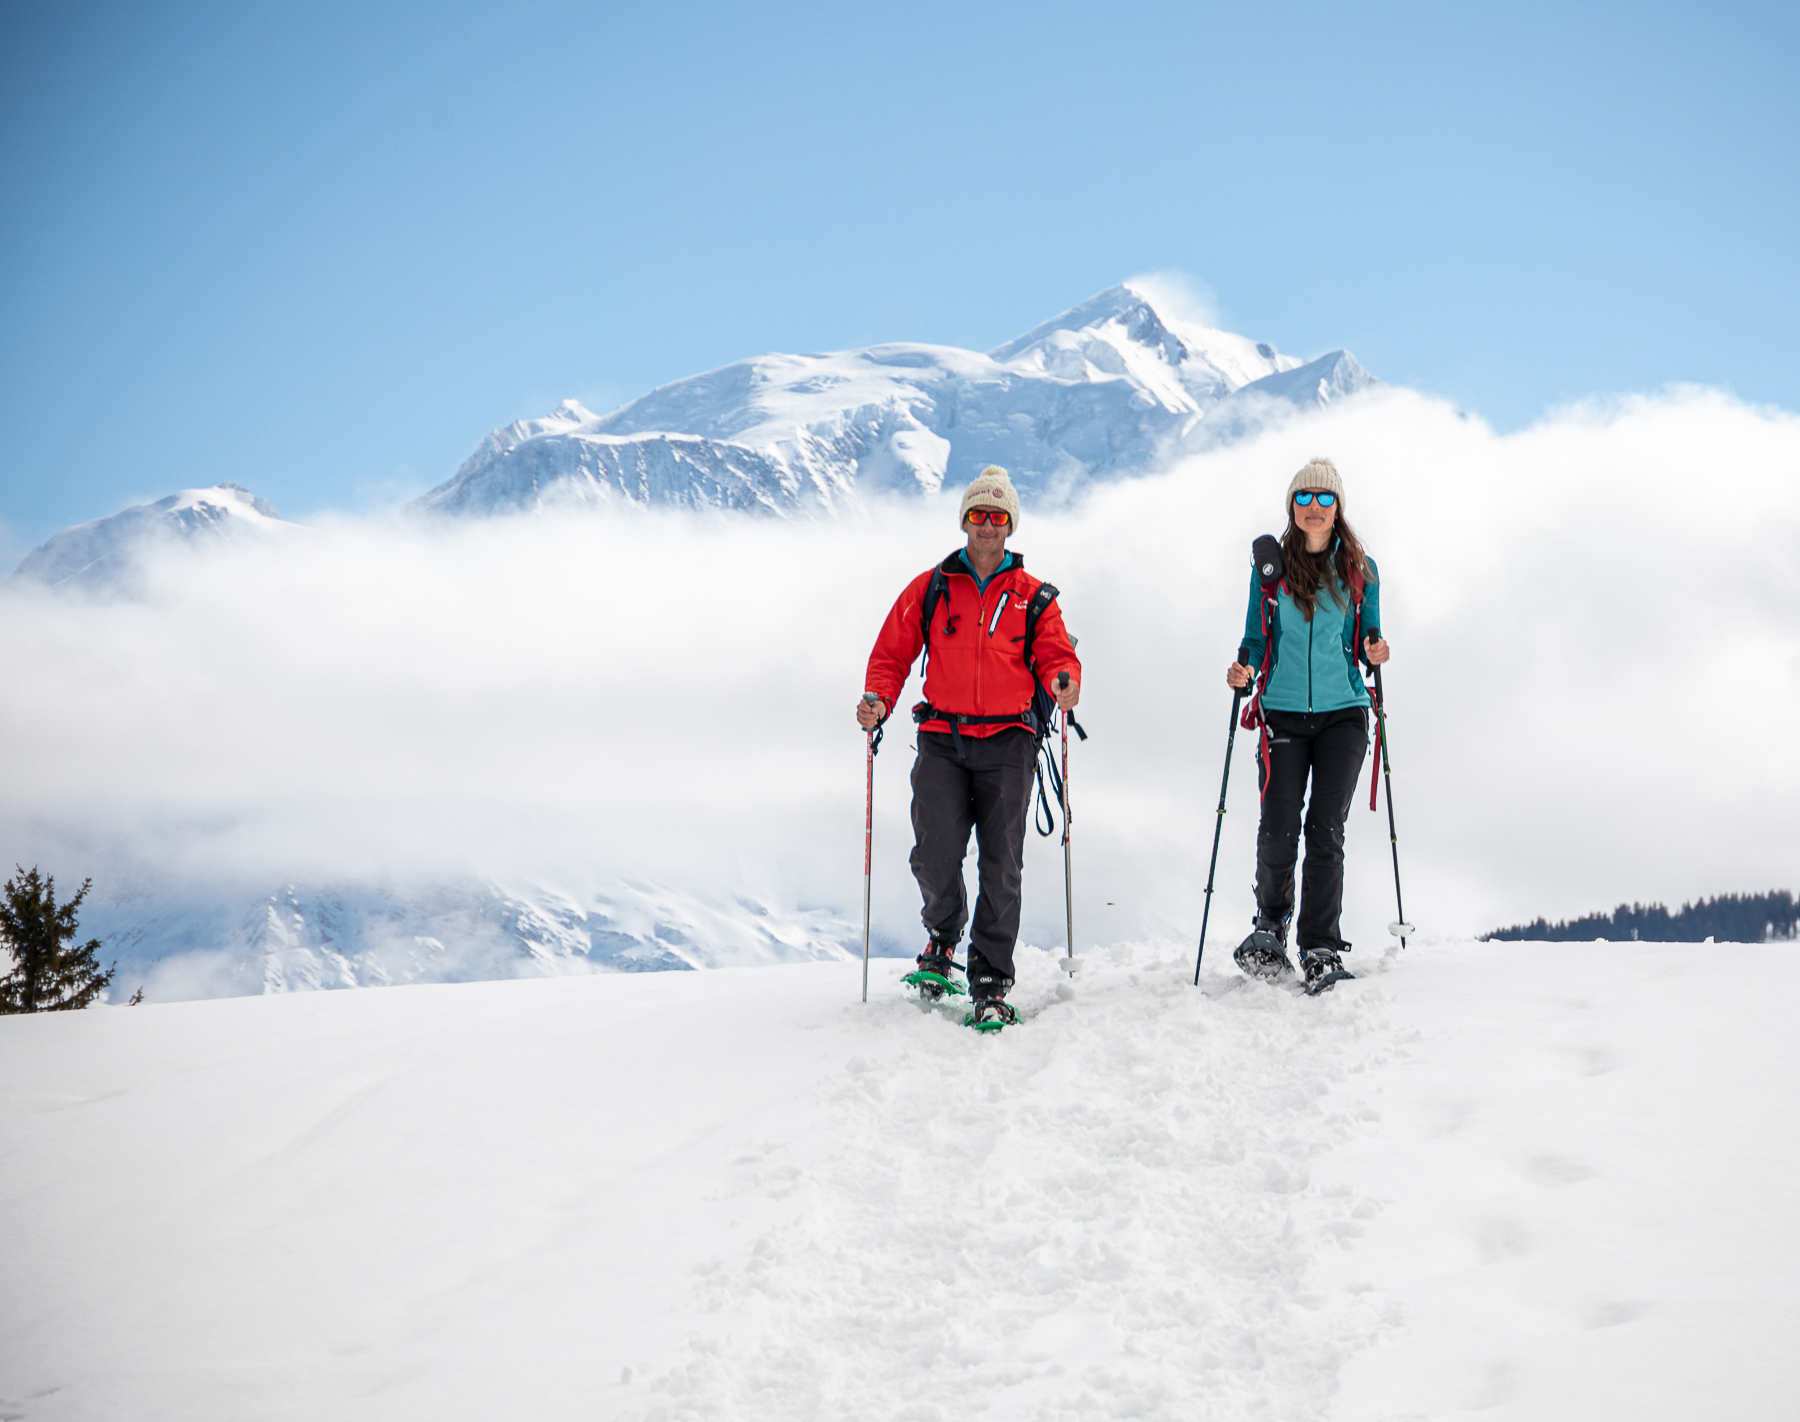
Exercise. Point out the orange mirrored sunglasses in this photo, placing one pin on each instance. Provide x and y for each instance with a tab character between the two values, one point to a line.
998	517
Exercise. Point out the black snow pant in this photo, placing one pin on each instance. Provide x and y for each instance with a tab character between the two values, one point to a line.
1329	746
988	791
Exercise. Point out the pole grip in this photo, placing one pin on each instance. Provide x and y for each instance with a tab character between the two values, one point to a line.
1062	680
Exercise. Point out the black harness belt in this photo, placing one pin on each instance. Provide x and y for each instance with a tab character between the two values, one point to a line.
925	711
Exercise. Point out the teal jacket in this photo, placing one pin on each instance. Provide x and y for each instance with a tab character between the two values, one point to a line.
1315	663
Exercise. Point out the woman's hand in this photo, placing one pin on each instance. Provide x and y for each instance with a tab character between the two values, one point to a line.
1376	650
869	715
1238	676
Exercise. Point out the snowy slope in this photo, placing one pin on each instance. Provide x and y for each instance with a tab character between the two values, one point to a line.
1313	385
1099	392
1523	1182
1251	409
105	556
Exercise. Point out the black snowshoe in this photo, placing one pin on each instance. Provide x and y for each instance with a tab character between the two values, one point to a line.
1323	969
1263	955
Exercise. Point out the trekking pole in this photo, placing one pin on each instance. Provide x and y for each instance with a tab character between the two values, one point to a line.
874	743
1068	964
1399	927
1237	695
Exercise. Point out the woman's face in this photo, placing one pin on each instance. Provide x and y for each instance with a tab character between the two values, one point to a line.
1314	520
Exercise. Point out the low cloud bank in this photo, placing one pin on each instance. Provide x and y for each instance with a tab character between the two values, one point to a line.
1589	618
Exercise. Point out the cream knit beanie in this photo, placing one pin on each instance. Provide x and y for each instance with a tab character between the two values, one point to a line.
1318	474
991	489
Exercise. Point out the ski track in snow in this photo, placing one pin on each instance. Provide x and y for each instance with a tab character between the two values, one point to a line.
1108	1211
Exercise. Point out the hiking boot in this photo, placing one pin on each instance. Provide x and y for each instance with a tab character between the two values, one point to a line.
1263	955
991	1014
1322	967
932	978
985	981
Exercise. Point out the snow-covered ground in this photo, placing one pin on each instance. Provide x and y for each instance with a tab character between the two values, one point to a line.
1526	1180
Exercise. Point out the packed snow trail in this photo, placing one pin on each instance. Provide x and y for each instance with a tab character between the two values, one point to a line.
1519	1181
1108	1210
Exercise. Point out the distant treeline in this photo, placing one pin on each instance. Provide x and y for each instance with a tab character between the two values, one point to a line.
1731	918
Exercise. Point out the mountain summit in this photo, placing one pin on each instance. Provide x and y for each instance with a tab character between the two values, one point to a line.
1100	392
106	556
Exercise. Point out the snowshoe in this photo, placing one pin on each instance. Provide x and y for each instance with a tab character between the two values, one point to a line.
932	978
1323	969
1262	955
991	1014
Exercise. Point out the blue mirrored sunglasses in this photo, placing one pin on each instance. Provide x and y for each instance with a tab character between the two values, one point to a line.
1306	496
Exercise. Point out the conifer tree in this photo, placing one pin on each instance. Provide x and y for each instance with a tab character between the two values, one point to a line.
48	973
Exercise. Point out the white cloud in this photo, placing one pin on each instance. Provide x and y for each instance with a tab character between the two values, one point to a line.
1592	620
1180	295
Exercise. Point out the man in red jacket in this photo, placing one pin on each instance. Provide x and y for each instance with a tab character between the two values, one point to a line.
977	749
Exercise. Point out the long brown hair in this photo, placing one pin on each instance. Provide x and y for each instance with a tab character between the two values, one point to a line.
1307	572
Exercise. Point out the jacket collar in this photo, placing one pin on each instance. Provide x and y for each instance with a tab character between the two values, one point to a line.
954	564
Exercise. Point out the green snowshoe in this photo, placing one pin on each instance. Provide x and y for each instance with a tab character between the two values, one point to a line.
932	977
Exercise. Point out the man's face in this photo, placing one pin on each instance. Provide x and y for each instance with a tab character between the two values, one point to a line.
985	535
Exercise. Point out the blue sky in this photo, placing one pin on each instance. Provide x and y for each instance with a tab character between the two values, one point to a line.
321	249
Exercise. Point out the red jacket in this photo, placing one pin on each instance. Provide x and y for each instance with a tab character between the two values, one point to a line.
977	663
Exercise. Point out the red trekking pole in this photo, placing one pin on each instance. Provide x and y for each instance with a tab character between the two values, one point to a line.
874	741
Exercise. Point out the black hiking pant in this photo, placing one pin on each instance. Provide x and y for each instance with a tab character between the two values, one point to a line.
989	791
1328	746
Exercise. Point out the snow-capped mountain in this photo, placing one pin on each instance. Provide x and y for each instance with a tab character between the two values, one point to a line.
301	938
1099	392
106	555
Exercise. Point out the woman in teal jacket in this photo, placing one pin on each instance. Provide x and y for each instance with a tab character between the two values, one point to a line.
1316	708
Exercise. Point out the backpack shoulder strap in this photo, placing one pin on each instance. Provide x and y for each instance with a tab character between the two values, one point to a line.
1046	594
934	594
